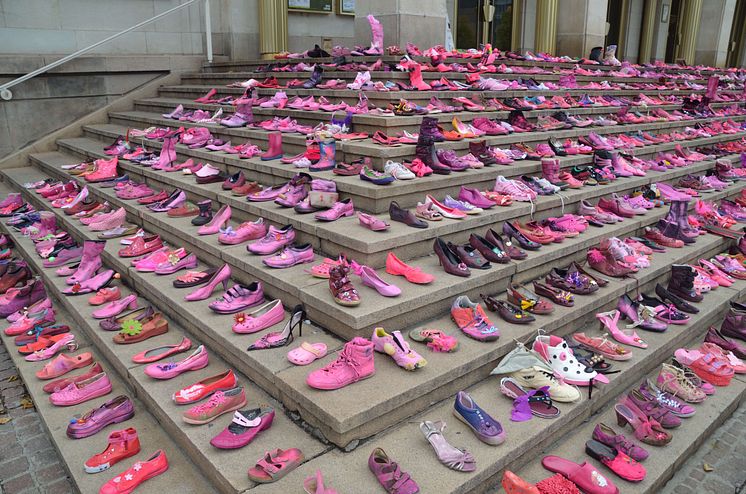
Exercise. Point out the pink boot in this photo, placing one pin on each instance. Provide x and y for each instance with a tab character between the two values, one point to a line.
376	44
89	263
168	154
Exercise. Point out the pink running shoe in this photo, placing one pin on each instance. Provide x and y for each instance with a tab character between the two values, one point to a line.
397	347
354	363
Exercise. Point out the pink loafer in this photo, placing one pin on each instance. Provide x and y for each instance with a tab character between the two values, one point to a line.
262	318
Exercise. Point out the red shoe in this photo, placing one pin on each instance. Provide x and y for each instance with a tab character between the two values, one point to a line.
105	295
127	481
142	245
205	387
122	444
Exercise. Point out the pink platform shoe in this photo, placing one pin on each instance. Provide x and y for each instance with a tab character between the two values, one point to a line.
199	359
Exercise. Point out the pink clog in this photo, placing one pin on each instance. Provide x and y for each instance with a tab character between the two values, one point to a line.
306	353
199	359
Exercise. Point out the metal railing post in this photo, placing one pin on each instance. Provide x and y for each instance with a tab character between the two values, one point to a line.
208	30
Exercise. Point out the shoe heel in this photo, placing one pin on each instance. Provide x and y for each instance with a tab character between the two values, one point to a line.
621	420
225	284
132	305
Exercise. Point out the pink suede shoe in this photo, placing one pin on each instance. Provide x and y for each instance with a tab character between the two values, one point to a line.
197	360
113	309
262	318
82	391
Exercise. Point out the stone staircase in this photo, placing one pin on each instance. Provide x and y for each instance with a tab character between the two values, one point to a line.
337	430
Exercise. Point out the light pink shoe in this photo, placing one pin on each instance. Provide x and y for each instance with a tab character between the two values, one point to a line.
199	359
82	391
397	347
290	256
153	260
68	341
249	230
264	317
110	221
220	219
222	275
341	208
629	337
113	309
274	240
354	362
370	278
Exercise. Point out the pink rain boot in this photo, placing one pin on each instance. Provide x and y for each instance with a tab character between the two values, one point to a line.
90	262
376	44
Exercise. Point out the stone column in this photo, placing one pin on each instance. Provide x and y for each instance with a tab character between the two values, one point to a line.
714	32
546	27
422	22
648	31
273	27
581	25
689	27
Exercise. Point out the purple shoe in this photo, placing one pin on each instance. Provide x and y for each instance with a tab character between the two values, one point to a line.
65	256
176	114
606	435
487	429
238	298
666	400
290	256
463	206
115	323
474	197
274	240
631	310
17	298
238	119
294	195
169	267
112	412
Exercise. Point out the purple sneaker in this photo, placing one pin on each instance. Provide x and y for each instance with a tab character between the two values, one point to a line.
238	298
290	256
474	197
666	400
464	206
274	240
112	412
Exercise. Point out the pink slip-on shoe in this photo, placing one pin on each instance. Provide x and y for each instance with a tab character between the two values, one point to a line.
291	255
199	359
113	309
262	318
173	264
249	230
370	278
246	425
68	341
82	391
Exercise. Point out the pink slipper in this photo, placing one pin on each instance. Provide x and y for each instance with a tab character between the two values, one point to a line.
307	353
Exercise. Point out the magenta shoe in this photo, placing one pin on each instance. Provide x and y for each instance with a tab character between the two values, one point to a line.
246	425
222	275
170	267
92	285
238	298
197	360
290	256
16	299
41	305
113	309
274	240
218	220
339	209
90	261
82	391
474	197
112	412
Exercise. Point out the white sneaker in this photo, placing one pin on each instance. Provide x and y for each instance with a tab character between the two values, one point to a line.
398	171
536	377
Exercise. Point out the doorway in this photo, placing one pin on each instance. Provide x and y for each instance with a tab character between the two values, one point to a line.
737	42
474	29
674	37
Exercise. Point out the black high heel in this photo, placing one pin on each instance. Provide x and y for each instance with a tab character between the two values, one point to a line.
284	338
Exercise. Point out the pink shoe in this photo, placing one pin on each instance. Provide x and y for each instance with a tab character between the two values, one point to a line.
238	298
149	263
355	362
68	341
249	230
370	278
199	359
173	264
262	318
222	275
82	391
397	347
610	321
291	255
109	222
371	222
274	240
218	220
113	309
341	208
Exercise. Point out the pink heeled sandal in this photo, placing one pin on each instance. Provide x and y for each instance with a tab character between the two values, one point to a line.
626	336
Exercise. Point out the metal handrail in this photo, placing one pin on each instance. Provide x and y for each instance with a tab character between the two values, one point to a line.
7	95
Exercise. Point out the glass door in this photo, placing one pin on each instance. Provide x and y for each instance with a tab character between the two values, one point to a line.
473	28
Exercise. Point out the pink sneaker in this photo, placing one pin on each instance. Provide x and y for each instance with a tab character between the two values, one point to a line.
81	391
290	256
274	240
397	347
354	362
199	359
249	230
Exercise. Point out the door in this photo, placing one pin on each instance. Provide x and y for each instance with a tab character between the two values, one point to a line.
473	28
737	42
674	36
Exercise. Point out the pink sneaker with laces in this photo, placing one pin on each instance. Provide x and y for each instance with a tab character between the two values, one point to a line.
353	363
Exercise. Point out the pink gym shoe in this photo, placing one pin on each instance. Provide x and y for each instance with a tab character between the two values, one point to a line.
353	363
397	347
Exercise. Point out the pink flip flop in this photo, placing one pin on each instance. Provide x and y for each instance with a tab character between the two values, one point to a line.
307	353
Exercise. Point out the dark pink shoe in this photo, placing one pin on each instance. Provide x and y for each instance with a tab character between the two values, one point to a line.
246	425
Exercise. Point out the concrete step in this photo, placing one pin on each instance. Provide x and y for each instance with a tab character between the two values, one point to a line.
663	462
168	100
343	417
346	236
226	469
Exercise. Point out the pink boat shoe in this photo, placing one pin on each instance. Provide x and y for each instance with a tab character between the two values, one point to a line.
262	318
274	240
249	230
238	298
113	309
370	278
199	359
307	353
82	391
291	255
397	347
173	264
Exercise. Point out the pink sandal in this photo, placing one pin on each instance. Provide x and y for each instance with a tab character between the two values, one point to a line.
625	336
275	465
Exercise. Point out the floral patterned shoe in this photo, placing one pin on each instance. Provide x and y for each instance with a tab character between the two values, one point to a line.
398	348
341	287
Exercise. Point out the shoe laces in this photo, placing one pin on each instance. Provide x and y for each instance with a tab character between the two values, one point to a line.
215	400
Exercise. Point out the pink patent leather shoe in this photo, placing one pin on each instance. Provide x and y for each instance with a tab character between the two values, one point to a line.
199	359
222	275
218	220
262	318
113	309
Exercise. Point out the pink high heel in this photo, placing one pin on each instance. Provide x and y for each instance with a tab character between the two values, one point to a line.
68	341
113	309
222	275
220	219
625	336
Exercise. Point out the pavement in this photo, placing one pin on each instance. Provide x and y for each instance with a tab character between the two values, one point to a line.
724	453
29	464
